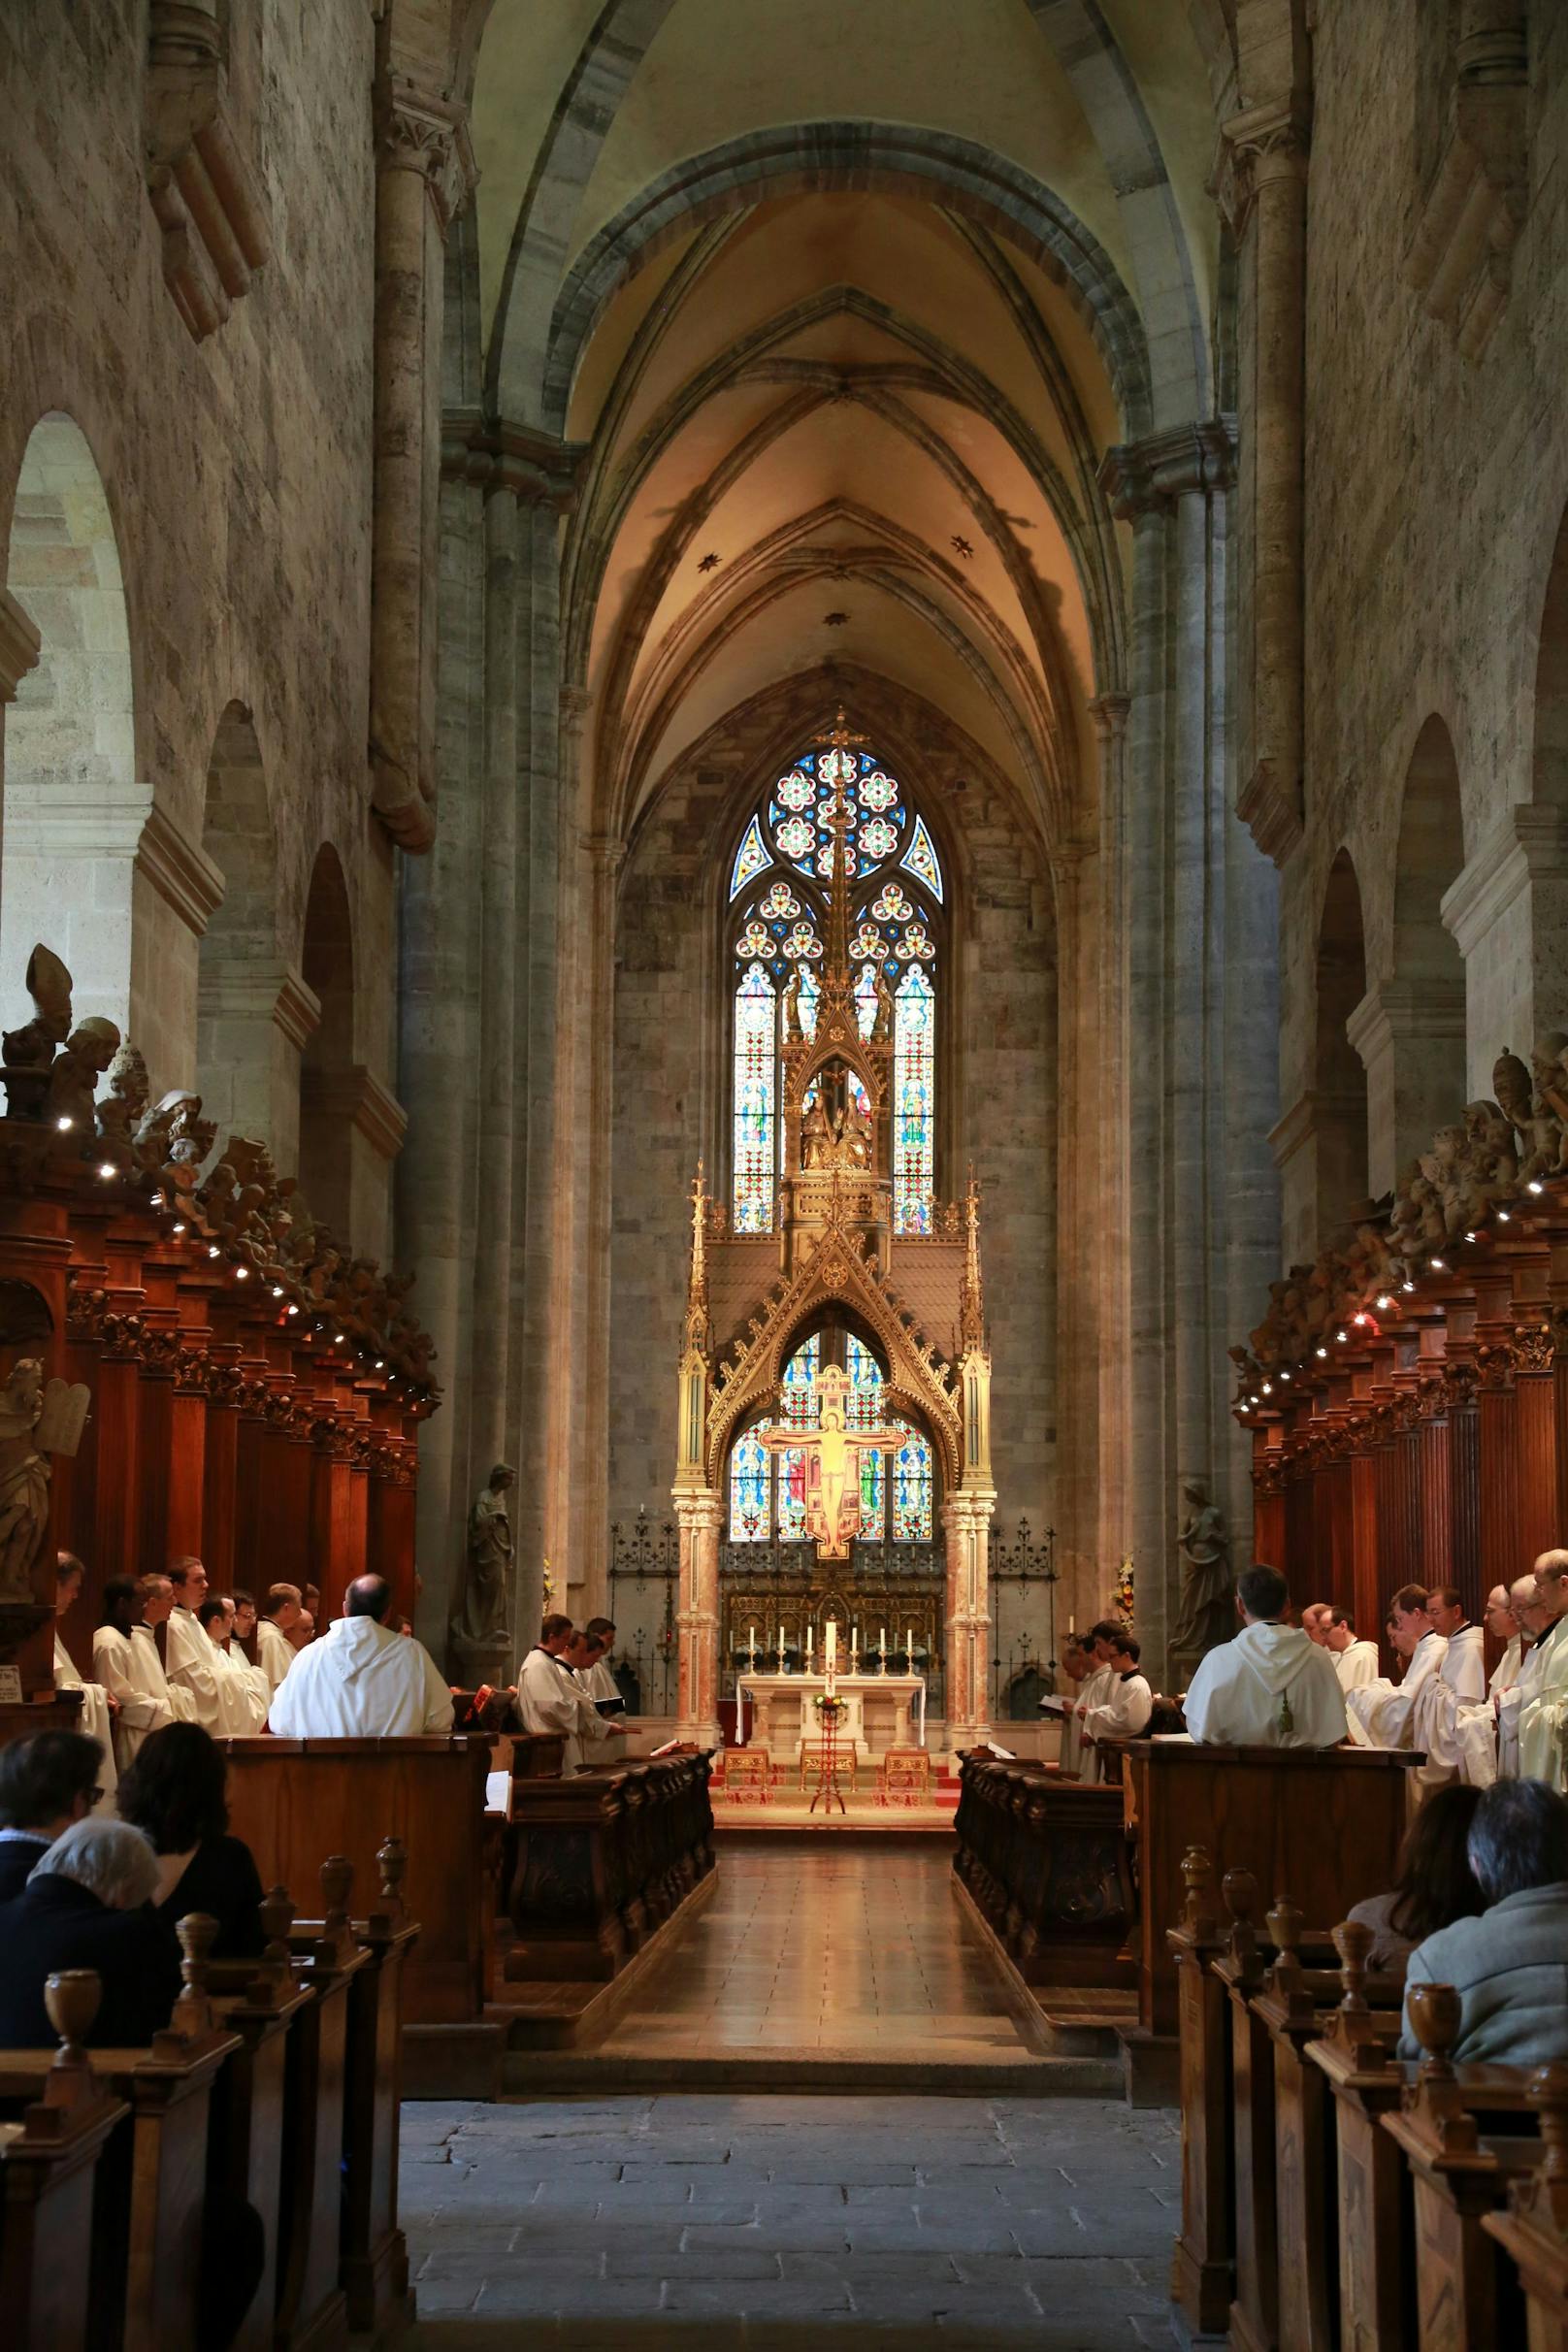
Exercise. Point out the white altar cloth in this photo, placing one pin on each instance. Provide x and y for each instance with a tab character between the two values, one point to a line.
878	1708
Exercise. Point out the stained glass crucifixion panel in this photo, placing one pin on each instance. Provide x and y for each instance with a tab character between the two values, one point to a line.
767	1486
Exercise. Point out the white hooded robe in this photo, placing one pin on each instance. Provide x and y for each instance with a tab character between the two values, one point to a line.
1271	1686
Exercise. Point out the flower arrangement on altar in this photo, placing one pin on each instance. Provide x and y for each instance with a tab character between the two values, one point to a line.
1121	1598
830	1708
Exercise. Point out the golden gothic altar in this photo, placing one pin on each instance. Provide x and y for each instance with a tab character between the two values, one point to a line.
913	1299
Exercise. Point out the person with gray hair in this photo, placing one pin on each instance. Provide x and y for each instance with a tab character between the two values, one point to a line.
86	1904
1510	1965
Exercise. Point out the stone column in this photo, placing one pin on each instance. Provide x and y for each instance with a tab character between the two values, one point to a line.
1408	1033
1195	905
20	645
1109	1259
700	1517
1507	913
967	1518
1263	192
1083	1099
424	172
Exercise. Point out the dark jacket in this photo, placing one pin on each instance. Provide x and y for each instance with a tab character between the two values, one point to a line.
58	1924
221	1879
17	1855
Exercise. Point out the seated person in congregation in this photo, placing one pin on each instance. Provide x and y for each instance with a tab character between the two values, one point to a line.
46	1783
1270	1686
1510	1965
87	1905
176	1792
361	1681
1433	1882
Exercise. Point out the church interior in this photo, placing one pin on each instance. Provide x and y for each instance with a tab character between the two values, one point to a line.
784	1173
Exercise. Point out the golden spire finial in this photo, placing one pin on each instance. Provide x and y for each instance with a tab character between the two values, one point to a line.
971	1290
697	1283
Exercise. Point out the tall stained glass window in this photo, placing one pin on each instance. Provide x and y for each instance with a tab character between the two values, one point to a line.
767	1489
779	873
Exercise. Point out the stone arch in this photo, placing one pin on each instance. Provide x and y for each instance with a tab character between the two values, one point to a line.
74	810
328	1071
1338	1080
1410	1032
1549	759
253	1012
897	158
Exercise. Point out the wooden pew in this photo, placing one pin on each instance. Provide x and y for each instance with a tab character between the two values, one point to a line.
1466	2294
603	1863
1326	1823
374	2251
48	2161
151	2180
1043	1863
250	2148
1355	2057
1533	2233
298	1802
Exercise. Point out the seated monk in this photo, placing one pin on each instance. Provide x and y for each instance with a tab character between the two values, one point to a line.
46	1783
1434	1883
176	1792
1510	1965
362	1680
1272	1685
86	1906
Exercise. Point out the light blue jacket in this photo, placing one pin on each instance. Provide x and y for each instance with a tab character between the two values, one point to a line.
1510	1967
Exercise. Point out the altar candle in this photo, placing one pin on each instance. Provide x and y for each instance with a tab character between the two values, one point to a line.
1071	1627
753	1640
808	1633
881	1638
909	1645
830	1643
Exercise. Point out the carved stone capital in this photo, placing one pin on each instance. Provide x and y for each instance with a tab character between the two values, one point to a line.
1257	146
418	132
1148	477
355	1094
1109	712
204	195
1269	805
20	645
537	468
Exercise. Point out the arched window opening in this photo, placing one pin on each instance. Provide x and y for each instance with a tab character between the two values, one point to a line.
247	1065
74	810
767	1486
777	929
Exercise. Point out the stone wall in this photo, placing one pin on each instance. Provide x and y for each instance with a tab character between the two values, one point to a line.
1436	485
235	480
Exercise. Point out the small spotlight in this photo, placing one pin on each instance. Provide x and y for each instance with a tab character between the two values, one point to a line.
1535	1186
179	1226
241	1273
212	1250
277	1289
106	1167
337	1339
65	1126
293	1310
1436	1265
1385	1303
1407	1285
1503	1216
1323	1351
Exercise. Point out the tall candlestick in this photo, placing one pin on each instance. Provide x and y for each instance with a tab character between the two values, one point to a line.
909	1645
830	1643
882	1649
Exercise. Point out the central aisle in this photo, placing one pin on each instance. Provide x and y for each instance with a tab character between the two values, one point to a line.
829	1948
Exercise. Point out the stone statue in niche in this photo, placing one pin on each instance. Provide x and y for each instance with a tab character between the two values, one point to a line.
887	1011
491	1553
35	1422
1207	1615
854	1135
816	1136
790	1002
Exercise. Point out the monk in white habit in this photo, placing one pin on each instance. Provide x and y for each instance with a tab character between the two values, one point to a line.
1123	1713
1510	1697
242	1705
1095	1691
1424	1711
1464	1661
1076	1670
1504	1626
1316	1619
1544	1710
362	1680
1272	1686
98	1710
550	1699
188	1654
280	1614
1355	1661
125	1661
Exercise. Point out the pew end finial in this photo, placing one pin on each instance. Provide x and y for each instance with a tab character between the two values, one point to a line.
336	1942
191	2019
1239	1890
72	1998
1197	1906
392	1869
1436	2014
1354	2029
1542	2199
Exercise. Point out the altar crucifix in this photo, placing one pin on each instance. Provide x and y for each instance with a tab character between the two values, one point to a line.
832	1462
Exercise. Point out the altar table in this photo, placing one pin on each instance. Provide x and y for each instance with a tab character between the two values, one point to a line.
878	1711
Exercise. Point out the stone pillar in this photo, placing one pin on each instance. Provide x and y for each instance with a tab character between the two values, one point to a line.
1084	1100
1507	913
700	1517
424	172
1109	1259
967	1518
20	645
1263	192
1409	1034
1196	908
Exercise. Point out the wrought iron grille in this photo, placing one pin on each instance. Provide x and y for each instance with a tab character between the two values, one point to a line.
897	1586
644	1574
1024	1608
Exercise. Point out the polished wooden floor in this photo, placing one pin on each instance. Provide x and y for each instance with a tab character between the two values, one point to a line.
826	1947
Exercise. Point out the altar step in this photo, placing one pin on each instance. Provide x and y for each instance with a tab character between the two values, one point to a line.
549	2073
